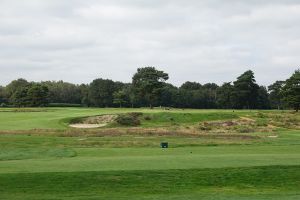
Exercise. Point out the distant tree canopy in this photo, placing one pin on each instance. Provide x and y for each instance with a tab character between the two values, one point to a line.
245	91
101	92
63	92
225	96
148	82
275	94
149	88
291	91
31	95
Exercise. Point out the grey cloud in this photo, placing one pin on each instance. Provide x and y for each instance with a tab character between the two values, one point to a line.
204	41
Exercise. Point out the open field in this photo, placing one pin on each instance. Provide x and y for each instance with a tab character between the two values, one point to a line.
213	154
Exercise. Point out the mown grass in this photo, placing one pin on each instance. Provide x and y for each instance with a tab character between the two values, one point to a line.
42	158
124	159
59	118
256	182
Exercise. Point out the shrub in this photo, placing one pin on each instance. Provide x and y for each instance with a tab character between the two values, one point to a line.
244	129
135	114
147	118
205	127
128	120
261	115
261	123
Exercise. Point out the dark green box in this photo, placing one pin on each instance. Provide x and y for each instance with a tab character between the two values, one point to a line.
164	145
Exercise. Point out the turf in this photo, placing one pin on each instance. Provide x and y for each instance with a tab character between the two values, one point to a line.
58	118
38	163
238	183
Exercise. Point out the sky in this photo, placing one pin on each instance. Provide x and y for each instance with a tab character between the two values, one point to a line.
192	40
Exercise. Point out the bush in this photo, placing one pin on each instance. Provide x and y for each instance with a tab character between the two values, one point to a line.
128	120
261	123
148	118
244	129
261	115
205	126
135	114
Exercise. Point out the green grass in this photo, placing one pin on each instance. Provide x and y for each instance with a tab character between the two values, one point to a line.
167	118
58	118
62	163
124	159
237	183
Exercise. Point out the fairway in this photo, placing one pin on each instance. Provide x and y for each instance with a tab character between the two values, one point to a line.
41	157
59	118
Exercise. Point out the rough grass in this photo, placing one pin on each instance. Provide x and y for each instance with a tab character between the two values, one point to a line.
169	119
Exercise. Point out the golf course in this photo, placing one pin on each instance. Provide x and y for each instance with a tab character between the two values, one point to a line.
212	154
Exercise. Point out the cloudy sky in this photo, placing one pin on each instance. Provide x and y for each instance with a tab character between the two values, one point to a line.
203	41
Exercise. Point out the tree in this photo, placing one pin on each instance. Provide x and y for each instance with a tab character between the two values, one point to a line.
63	92
245	91
17	92
19	98
15	85
3	96
291	91
224	96
133	100
275	96
84	93
263	101
37	95
32	95
120	97
191	86
101	92
168	93
148	82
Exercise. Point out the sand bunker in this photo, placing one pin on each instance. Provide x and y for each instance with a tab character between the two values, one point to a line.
273	136
87	125
94	121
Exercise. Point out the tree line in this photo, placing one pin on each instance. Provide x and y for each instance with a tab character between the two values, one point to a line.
149	88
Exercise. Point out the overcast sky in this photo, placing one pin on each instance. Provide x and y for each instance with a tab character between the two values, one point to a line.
196	40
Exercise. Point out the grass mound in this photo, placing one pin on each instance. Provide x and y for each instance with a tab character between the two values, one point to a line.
129	119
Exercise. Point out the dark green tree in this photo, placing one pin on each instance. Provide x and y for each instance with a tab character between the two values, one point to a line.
84	93
148	83
291	91
37	95
19	98
120	97
191	86
275	96
168	93
245	91
16	85
224	96
263	101
63	92
3	96
101	93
